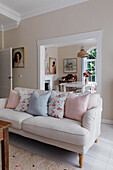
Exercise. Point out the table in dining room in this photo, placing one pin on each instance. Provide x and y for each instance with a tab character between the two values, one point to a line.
80	85
4	139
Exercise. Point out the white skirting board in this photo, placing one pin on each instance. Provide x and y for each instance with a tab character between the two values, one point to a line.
110	122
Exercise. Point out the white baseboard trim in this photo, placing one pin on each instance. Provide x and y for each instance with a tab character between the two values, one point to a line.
110	122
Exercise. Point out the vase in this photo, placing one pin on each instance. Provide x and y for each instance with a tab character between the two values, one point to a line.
86	80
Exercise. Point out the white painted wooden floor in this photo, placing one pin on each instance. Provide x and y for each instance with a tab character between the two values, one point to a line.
99	157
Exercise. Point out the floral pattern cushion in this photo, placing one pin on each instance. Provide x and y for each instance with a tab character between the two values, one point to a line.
56	104
24	100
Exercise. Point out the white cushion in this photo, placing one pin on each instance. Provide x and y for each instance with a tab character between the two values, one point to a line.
3	103
89	119
66	130
93	100
13	116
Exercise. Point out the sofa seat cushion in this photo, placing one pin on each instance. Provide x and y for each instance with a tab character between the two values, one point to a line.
13	116
66	130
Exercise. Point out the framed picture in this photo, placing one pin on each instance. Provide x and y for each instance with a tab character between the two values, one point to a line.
18	55
70	65
52	65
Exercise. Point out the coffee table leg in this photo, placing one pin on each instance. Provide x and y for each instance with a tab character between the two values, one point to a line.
5	150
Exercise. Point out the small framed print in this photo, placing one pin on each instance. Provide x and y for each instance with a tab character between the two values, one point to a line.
18	57
52	65
70	65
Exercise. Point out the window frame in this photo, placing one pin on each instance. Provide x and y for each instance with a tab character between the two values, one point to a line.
88	60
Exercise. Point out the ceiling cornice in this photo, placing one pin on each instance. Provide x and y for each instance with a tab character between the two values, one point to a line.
9	26
9	13
15	16
50	8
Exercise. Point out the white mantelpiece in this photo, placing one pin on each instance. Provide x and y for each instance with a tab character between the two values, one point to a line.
49	79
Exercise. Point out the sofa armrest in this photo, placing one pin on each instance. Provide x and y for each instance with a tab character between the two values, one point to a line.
92	119
3	102
89	119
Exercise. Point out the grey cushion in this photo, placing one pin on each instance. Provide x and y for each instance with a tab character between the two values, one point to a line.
15	117
39	104
66	130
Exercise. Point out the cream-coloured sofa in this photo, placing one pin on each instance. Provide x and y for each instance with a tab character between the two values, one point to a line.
65	133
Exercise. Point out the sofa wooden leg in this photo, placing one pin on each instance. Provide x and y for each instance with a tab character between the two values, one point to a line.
81	160
96	140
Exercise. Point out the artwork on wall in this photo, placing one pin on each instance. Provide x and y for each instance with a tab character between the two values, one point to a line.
18	55
52	65
70	65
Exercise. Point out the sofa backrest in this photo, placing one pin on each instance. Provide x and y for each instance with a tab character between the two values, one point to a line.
93	98
29	90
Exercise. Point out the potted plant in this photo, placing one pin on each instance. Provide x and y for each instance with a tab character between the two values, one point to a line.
86	75
75	78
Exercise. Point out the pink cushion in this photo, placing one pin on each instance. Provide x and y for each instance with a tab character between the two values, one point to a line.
13	100
76	106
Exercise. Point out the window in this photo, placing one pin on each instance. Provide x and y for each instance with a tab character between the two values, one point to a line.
91	64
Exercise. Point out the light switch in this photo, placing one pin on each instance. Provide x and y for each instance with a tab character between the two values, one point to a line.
20	76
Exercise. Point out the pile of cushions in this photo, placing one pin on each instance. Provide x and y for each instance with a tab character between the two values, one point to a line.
52	103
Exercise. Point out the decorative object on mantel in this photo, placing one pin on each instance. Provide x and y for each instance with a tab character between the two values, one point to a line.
18	55
47	70
46	63
86	75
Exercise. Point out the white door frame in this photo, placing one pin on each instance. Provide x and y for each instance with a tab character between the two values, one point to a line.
11	70
64	41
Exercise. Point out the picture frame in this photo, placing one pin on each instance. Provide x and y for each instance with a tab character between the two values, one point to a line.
70	65
52	65
18	57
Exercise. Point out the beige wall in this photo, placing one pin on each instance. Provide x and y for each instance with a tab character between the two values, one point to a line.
0	39
89	16
68	52
71	52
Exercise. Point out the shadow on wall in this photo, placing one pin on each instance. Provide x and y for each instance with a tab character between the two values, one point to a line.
111	98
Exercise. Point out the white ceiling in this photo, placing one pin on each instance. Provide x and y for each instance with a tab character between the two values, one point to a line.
16	10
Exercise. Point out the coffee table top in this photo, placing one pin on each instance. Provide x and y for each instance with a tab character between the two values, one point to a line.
4	124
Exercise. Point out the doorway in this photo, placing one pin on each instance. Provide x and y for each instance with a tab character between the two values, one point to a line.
66	41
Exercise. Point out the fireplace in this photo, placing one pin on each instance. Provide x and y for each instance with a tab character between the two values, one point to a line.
48	82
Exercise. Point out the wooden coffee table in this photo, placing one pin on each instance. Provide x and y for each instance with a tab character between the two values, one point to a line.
4	138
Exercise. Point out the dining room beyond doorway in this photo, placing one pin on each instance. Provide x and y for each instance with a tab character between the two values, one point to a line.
63	70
